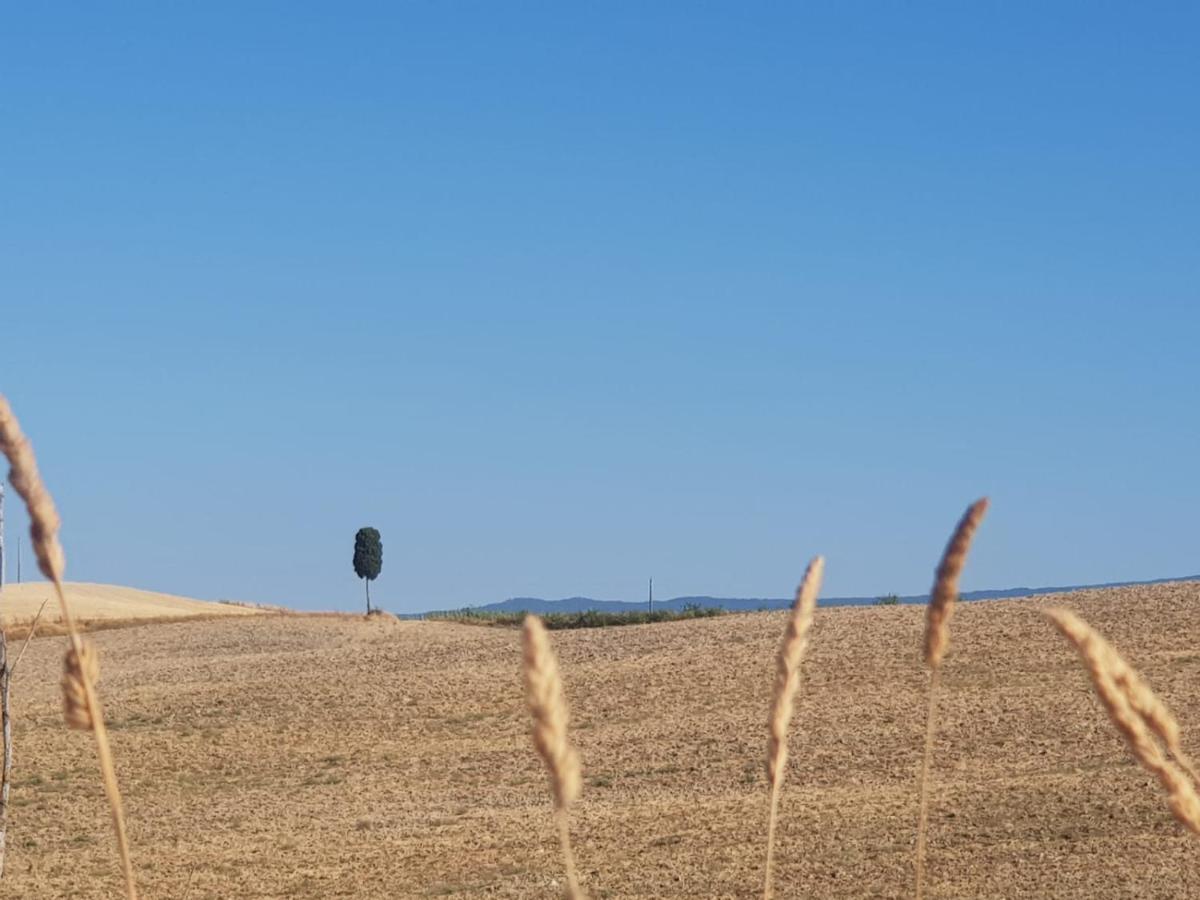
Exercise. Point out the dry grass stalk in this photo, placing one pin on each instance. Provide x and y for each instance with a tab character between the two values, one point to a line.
7	671
43	529
1137	713
937	638
548	706
787	683
29	636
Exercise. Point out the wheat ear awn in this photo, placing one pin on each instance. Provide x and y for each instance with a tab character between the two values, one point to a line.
548	707
1136	712
787	682
937	638
81	703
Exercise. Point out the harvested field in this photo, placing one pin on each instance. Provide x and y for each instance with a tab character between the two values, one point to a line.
106	602
344	757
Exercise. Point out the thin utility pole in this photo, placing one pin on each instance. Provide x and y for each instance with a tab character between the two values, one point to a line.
651	595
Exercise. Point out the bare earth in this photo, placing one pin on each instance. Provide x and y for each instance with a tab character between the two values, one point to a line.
20	602
339	757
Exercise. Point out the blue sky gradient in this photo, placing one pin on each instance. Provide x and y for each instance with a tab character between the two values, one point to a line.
559	298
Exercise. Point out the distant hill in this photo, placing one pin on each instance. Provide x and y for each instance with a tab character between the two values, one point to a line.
751	604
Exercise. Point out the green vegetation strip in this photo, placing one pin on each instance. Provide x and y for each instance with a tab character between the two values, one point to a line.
587	619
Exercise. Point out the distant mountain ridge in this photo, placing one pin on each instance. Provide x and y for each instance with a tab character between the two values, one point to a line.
751	604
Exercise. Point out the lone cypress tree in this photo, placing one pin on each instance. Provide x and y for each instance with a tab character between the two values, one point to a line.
368	558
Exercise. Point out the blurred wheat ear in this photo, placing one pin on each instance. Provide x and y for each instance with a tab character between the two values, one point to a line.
548	707
81	704
1137	713
937	639
787	683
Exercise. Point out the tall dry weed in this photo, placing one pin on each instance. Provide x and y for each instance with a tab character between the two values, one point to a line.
548	706
1137	714
783	698
81	703
937	639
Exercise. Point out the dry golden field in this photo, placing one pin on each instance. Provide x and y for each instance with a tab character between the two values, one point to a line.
104	603
342	757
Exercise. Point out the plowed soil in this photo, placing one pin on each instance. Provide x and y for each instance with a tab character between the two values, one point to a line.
343	757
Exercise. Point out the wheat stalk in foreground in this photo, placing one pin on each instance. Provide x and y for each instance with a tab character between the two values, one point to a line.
937	639
549	709
787	682
81	704
1137	713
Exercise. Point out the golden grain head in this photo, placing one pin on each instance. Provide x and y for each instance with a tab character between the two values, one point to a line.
945	585
787	683
1135	712
787	668
76	668
548	707
44	521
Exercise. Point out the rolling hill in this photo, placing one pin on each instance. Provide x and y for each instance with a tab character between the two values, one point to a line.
20	602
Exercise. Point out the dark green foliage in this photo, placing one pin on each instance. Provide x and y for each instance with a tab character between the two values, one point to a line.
888	600
586	619
368	557
368	554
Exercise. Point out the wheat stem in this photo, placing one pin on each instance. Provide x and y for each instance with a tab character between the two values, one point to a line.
787	683
44	524
574	892
937	639
926	759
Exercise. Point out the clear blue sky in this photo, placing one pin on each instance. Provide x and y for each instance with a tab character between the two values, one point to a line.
562	296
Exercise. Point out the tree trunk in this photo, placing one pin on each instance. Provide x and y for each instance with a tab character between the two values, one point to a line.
6	766
367	582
